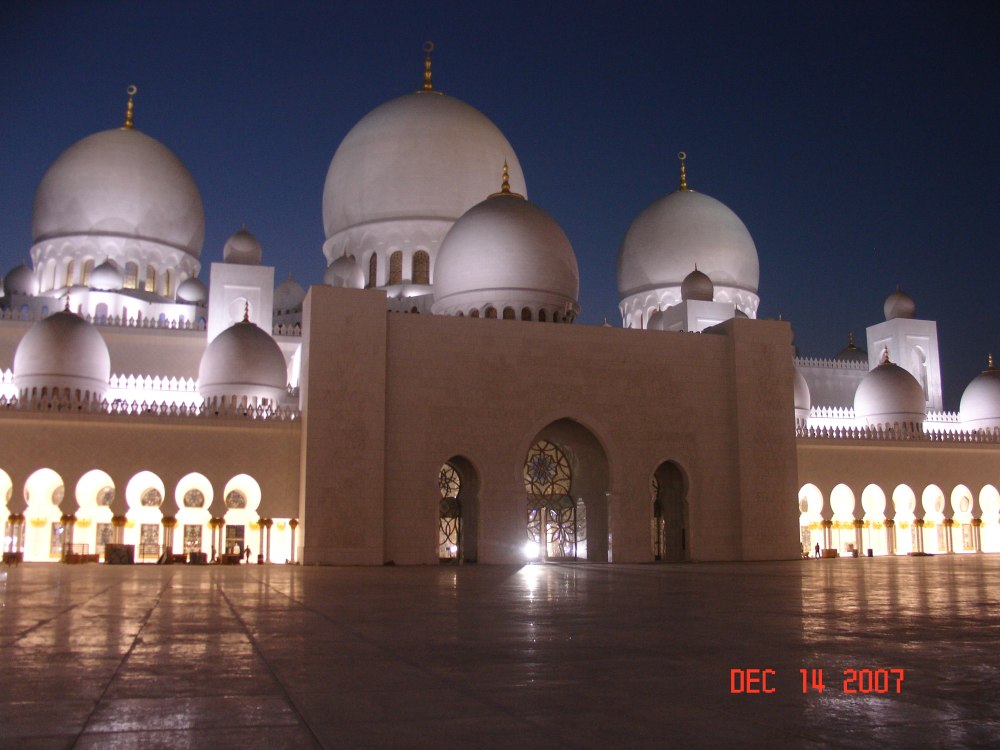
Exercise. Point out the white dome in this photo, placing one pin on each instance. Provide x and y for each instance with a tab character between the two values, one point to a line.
697	286
899	304
851	352
889	395
242	248
192	290
407	170
245	362
20	280
63	351
980	405
124	184
288	295
676	233
107	277
506	251
344	272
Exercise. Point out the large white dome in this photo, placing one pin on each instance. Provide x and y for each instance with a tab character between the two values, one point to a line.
245	363
62	352
676	233
889	395
507	252
123	183
980	405
403	175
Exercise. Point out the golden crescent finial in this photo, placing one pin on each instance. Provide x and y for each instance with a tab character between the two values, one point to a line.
129	108
989	362
428	83
885	356
684	178
505	184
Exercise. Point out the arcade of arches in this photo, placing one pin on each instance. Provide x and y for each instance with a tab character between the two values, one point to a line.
52	522
899	520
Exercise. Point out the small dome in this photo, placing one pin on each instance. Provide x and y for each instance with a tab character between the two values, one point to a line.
802	397
192	290
697	286
852	353
980	405
288	295
242	248
63	351
889	395
345	272
506	252
245	362
20	280
899	304
107	277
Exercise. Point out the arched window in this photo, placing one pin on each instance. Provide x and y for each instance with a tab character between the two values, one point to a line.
556	318
491	312
131	275
555	522
88	266
541	316
372	271
396	268
194	499
236	499
421	267
509	314
450	524
150	279
69	273
165	284
525	313
473	314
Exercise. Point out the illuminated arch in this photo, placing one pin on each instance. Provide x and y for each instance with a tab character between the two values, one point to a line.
962	504
193	495
873	503
43	491
242	498
6	488
989	505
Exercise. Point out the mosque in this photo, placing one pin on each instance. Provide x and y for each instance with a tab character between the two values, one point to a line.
432	401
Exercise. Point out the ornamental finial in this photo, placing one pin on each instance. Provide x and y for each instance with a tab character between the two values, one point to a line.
850	340
505	184
885	356
989	362
246	311
684	177
129	107
428	83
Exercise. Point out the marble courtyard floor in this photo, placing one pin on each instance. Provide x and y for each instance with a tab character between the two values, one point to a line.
542	656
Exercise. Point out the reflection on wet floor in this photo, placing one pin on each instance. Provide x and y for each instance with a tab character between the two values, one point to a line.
561	655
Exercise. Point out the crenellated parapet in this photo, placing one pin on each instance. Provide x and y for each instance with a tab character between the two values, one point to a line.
121	407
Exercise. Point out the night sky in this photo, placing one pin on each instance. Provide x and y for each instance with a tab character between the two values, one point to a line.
858	141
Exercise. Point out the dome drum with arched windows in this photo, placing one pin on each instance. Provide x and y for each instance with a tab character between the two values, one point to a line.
507	254
679	232
62	357
243	366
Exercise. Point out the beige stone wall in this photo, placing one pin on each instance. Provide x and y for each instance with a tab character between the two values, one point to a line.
485	390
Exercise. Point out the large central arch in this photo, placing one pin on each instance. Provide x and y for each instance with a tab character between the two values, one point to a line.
566	480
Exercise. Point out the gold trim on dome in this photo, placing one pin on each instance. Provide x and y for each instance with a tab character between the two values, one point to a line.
130	107
684	178
505	185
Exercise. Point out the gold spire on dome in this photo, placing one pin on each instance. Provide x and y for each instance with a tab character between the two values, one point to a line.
885	356
850	340
684	175
129	107
505	185
989	362
428	86
246	311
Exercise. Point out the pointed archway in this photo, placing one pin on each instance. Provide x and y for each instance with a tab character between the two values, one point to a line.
671	518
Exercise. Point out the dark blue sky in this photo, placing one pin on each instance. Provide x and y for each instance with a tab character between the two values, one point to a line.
858	141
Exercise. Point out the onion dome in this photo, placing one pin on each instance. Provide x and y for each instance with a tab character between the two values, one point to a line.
243	363
889	395
192	290
288	295
107	277
506	252
899	304
980	405
407	171
61	353
852	353
683	230
345	272
123	195
697	286
20	280
802	398
242	248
